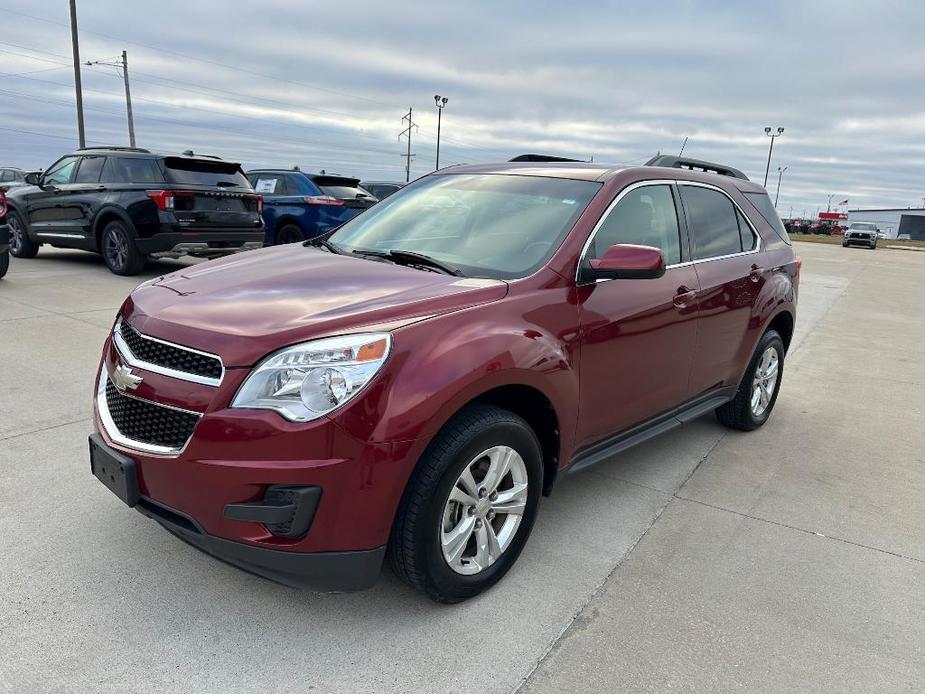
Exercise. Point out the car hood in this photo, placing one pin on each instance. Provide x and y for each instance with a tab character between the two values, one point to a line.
248	305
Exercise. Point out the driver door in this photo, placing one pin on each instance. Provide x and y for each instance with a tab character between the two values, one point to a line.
44	205
637	335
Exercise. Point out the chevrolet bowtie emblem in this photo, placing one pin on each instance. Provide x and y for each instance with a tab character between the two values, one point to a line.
123	378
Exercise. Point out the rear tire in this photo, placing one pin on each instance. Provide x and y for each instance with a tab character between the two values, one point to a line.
4	263
754	400
289	233
21	246
459	528
120	253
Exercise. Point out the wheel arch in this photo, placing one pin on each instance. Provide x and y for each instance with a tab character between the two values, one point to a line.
105	216
783	323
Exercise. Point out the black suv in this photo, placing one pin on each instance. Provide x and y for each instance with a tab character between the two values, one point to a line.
128	203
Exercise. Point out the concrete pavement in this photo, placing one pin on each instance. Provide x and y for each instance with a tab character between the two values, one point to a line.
786	559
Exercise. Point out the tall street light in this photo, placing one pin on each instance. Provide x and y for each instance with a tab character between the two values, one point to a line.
769	132
440	101
780	175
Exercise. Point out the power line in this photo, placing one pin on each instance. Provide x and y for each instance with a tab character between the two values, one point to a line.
237	96
186	56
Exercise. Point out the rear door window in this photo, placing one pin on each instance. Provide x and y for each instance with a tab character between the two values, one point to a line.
749	241
89	169
131	170
205	172
714	221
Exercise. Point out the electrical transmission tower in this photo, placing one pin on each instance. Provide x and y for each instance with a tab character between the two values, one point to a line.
407	133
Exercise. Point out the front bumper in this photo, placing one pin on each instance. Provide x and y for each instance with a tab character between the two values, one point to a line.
866	241
322	571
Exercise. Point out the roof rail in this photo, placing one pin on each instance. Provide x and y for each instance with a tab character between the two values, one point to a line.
115	148
541	157
695	165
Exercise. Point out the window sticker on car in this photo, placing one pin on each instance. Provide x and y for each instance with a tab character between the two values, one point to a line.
266	185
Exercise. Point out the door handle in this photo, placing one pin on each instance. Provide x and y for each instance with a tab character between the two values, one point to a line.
756	273
683	296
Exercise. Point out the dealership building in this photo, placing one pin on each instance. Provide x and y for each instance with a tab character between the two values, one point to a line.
907	222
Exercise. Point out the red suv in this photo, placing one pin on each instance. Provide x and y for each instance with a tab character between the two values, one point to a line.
410	384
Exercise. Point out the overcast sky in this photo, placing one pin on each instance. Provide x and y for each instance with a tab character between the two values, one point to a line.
324	85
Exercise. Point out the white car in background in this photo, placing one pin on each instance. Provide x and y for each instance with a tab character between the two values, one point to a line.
861	233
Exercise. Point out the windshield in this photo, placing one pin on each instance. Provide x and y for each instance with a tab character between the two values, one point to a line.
863	227
486	225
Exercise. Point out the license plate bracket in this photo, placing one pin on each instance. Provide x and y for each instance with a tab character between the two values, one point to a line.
116	471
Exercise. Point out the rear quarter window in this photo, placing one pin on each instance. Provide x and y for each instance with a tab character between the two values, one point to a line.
762	203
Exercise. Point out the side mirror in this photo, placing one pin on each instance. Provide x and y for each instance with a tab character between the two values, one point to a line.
628	262
34	178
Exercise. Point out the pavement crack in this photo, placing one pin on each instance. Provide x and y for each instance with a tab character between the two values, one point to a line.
9	437
799	529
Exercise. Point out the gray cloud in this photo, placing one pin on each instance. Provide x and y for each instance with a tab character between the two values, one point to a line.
325	85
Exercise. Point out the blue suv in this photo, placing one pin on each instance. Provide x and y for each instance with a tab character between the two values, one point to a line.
300	206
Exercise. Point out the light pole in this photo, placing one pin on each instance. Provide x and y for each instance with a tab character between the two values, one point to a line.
770	133
122	63
780	175
440	101
828	207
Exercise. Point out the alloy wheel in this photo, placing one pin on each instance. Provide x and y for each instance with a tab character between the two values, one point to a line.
116	247
765	381
484	510
16	234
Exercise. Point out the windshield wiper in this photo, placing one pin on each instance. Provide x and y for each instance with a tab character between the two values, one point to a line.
322	242
420	259
410	258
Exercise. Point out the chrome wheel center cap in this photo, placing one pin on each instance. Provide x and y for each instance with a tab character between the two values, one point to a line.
483	506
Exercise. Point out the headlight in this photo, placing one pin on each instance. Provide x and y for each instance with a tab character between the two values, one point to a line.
309	380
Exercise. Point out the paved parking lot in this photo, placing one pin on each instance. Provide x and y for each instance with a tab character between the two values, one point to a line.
787	559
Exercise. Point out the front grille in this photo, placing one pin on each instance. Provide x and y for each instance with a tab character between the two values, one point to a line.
168	356
148	423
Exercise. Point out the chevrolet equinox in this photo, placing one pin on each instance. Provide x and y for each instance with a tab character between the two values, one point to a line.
410	384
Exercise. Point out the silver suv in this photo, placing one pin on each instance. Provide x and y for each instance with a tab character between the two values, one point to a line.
863	233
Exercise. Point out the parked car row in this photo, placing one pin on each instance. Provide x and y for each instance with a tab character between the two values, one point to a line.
129	204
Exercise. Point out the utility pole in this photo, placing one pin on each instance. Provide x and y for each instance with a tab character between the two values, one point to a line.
773	136
407	133
780	175
122	62
828	207
80	99
128	101
441	102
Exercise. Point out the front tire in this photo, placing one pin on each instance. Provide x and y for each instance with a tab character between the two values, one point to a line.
469	507
751	407
120	253
4	263
21	246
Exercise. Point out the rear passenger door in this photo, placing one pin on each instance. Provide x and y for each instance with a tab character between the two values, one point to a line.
725	250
